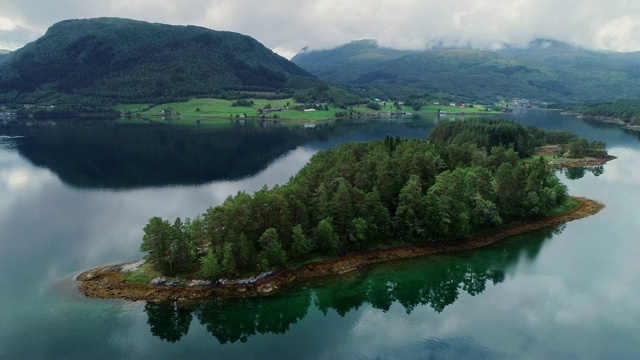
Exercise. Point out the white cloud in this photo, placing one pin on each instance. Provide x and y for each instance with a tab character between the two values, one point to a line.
287	25
620	34
6	24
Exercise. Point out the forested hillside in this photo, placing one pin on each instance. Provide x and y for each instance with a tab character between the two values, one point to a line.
467	178
111	59
627	110
545	70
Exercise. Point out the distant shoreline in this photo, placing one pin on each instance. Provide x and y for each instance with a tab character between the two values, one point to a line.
112	116
611	120
106	282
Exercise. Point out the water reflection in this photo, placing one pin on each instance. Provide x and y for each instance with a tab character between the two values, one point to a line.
169	321
107	155
103	154
436	282
576	173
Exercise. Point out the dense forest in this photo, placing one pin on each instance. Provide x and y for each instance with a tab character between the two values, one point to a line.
109	59
625	110
467	178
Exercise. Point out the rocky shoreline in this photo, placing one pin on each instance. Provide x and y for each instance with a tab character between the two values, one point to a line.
107	283
557	164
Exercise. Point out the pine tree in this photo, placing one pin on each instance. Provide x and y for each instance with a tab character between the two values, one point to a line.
301	245
325	237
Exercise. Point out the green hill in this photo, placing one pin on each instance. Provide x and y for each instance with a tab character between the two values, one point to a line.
545	70
111	59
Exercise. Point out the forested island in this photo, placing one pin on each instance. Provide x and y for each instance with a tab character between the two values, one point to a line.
473	179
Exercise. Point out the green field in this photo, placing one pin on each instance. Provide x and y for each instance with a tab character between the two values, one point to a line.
433	109
220	108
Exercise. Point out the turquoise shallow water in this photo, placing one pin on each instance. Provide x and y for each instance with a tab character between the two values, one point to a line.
67	205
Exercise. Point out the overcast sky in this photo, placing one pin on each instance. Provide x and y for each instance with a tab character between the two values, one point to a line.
286	26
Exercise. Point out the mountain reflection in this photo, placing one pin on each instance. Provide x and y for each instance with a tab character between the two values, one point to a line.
435	282
102	154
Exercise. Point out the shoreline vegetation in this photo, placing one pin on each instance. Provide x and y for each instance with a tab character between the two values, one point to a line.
550	154
107	282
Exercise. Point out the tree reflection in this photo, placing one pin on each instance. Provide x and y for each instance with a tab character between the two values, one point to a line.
436	281
169	321
231	320
576	173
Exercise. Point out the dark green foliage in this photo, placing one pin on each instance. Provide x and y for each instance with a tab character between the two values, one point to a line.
374	106
210	266
228	264
301	244
410	215
626	110
273	251
133	61
156	242
327	94
487	134
326	237
171	247
246	254
463	181
243	102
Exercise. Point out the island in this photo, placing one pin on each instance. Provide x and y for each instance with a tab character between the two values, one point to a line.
470	184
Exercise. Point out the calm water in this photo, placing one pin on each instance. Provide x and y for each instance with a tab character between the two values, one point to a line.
74	196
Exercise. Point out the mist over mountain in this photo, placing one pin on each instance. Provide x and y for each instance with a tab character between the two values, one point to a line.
545	69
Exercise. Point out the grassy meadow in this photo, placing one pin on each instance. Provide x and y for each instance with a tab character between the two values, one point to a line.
198	108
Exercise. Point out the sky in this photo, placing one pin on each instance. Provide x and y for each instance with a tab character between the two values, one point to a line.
286	26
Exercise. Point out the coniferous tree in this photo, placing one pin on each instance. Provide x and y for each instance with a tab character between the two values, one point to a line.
301	244
157	242
325	237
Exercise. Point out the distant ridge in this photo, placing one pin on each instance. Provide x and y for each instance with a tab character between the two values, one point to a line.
545	69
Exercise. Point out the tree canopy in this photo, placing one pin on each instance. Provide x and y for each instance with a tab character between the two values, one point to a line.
358	195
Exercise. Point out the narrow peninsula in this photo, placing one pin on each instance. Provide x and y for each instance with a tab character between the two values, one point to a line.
470	184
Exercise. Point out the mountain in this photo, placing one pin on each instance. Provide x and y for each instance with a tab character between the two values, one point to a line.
134	61
344	61
545	70
557	53
4	54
